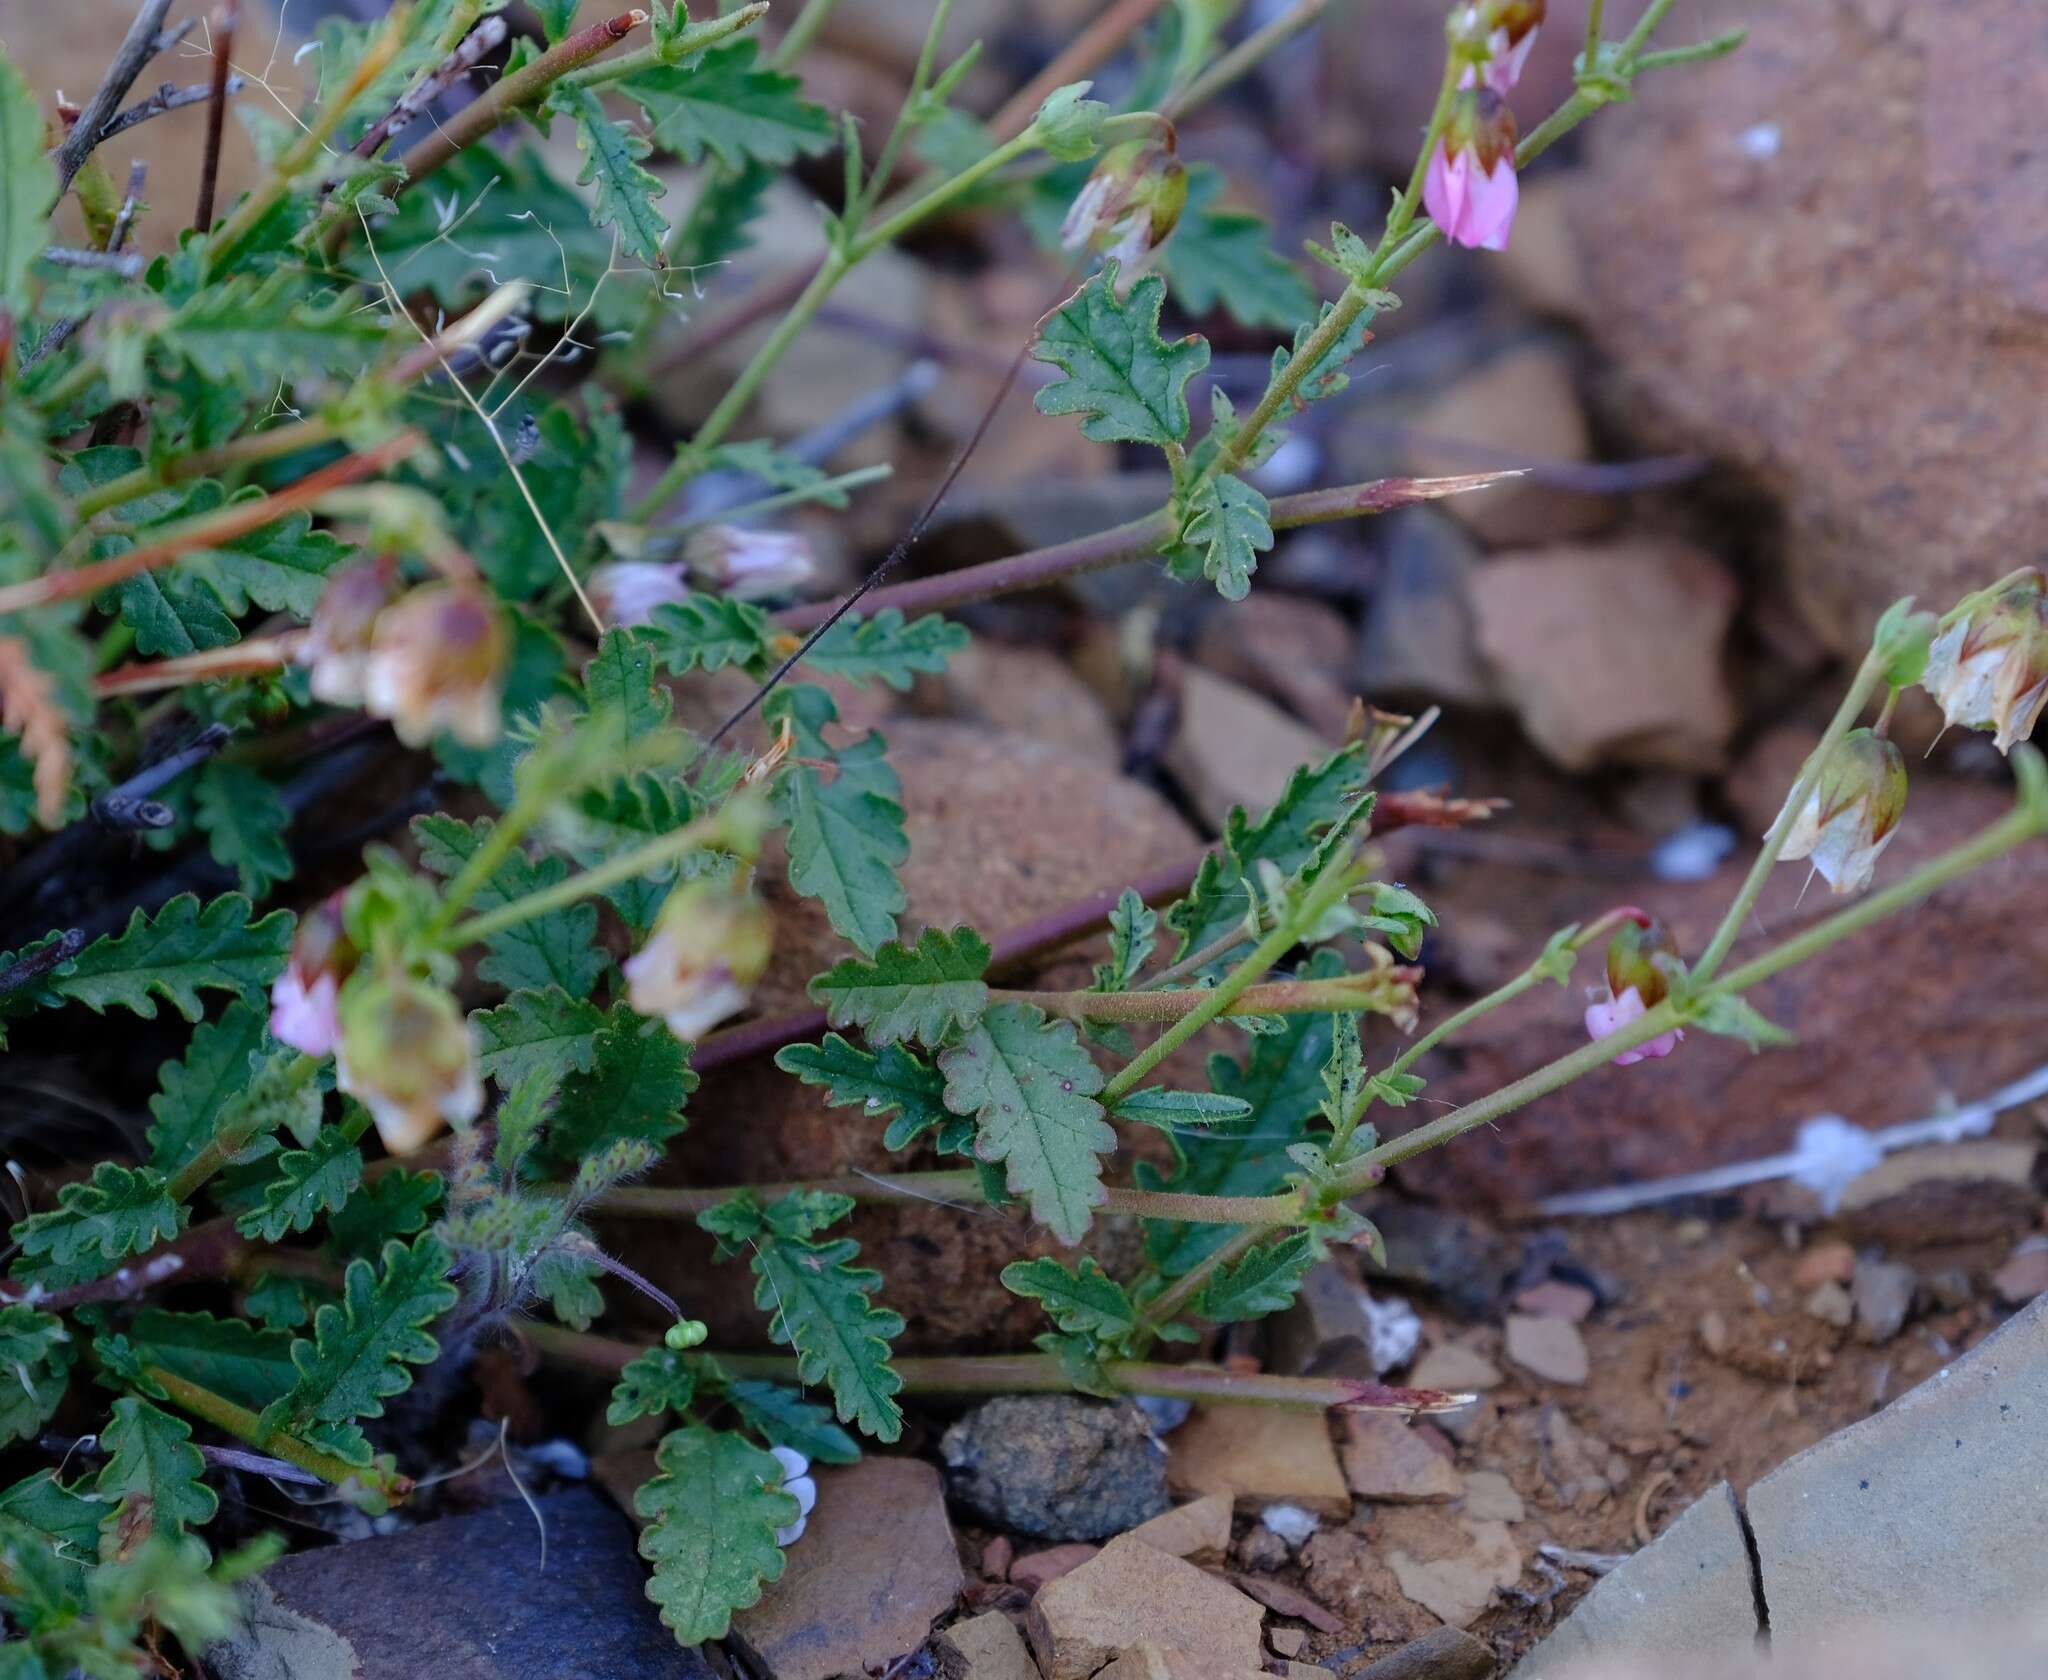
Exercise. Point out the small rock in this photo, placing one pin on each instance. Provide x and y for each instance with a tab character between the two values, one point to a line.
1305	1671
1491	1497
1131	1595
1290	1601
1882	1292
1029	690
1830	1261
1419	641
1234	747
1259	1457
985	1647
2024	1275
1034	1569
1948	1289
1613	654
1457	1368
1198	1531
360	1610
1520	409
1056	1466
1714	1336
876	1566
1388	1458
1554	1298
1465	1262
1292	649
1344	1571
997	1556
1260	1550
1578	1465
1550	1348
1830	1303
1451	1569
1286	1641
1156	1662
1323	1331
1447	1653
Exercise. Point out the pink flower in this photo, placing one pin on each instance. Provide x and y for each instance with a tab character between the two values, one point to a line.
1504	63
303	1016
747	564
1495	57
1470	189
626	592
1610	1015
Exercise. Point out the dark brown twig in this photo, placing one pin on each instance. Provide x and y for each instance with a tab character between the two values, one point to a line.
412	104
168	97
138	47
224	21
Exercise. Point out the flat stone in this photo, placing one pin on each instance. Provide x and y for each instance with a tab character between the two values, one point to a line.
1291	649
1451	1569
1323	1331
1688	1595
985	1647
1158	1662
1056	1466
1491	1497
1259	1457
1419	641
1034	1569
1234	747
1447	1653
1198	1531
1550	1348
1457	1368
1928	1512
1131	1595
876	1566
1345	1571
1553	1298
2024	1275
1881	1295
466	1598
1388	1458
1286	1641
1029	690
1975	1161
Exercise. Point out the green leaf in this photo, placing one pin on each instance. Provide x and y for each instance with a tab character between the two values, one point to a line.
66	1519
1031	1088
1732	1017
95	1225
724	105
620	680
280	568
282	1303
1225	257
1229	523
1263	1281
263	332
710	632
192	1090
356	1357
540	1028
846	838
556	16
611	160
237	1361
152	1456
35	1349
1126	382
175	955
395	1203
1396	912
1326	378
885	1082
1173	1111
885	646
1133	936
28	187
171	615
1344	1075
244	819
653	1382
309	1182
784	1418
720	222
929	992
639	1080
711	1513
1316	796
1084	1302
558	948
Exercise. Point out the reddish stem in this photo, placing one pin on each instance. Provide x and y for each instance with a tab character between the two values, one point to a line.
224	21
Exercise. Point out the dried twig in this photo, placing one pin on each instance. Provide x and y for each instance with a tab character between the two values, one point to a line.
65	256
138	47
168	97
412	104
223	32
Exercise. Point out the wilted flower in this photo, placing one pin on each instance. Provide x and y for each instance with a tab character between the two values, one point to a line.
336	649
797	1482
406	1055
1499	53
626	592
748	564
437	661
1635	985
1853	811
709	945
1470	188
1988	665
1130	204
304	1009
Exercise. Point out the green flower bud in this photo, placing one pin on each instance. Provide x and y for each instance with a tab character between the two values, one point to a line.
1131	203
1853	811
1632	965
406	1055
686	1333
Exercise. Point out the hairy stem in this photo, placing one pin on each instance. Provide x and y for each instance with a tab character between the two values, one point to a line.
623	866
245	1425
692	40
1371	989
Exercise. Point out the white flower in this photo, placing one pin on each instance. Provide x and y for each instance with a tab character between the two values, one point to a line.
437	661
626	592
1988	668
1852	813
748	564
710	944
797	1482
336	648
407	1055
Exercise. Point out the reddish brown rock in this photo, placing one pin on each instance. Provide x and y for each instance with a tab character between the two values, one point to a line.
1131	1595
1034	1569
1873	343
1259	1457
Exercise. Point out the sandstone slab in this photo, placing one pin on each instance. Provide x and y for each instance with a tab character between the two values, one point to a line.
985	1647
1259	1457
1234	747
1130	1596
1550	1348
1388	1458
1198	1531
1452	1569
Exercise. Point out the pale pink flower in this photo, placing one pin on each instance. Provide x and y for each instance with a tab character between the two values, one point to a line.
748	564
437	661
1474	205
626	592
710	944
336	646
1505	61
408	1056
1611	1014
306	1017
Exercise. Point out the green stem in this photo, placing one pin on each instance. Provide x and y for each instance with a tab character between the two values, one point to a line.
945	1185
504	834
1180	1294
1593	22
1243	58
797	40
789	498
246	1425
1411	196
692	40
894	227
625	866
1368	989
1698	53
224	1146
1868	675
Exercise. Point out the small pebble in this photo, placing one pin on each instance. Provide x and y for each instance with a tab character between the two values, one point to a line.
1556	1299
1831	1261
2024	1275
1883	1295
1550	1348
1829	1302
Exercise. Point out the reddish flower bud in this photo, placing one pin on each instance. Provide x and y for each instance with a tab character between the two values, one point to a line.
406	1055
437	661
1988	665
1853	811
304	1000
710	944
337	645
1470	188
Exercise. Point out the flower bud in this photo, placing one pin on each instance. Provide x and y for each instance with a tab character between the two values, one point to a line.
304	1000
710	944
406	1055
1988	665
626	592
1469	188
749	564
1130	204
1853	811
1632	961
336	648
437	661
1495	41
